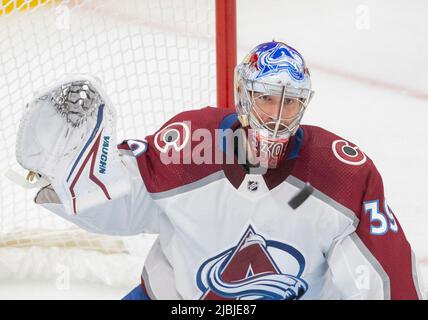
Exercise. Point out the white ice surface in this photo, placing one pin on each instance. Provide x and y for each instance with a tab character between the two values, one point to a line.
371	88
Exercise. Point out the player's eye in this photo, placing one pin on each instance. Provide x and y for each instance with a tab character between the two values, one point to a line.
264	98
288	101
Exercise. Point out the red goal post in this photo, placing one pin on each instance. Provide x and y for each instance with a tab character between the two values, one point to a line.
226	51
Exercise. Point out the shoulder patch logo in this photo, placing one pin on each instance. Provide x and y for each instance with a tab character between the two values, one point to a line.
133	148
347	153
175	135
138	147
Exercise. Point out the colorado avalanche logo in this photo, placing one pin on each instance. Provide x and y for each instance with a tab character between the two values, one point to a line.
347	153
248	271
175	135
276	57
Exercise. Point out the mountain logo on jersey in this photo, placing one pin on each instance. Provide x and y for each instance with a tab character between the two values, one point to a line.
347	153
274	58
254	269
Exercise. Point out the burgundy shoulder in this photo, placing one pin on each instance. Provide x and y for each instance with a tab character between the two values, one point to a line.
177	136
335	166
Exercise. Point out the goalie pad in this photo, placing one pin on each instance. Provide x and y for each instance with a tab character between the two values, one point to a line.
67	136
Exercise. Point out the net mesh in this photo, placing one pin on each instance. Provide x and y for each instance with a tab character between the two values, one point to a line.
154	58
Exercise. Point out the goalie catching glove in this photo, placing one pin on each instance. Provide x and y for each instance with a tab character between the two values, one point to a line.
67	136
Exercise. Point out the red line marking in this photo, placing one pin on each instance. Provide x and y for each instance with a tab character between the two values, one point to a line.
368	81
365	80
423	261
389	86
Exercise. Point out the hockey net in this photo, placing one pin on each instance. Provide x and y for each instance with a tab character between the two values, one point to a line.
155	59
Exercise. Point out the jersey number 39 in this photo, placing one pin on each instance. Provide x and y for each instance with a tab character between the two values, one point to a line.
380	222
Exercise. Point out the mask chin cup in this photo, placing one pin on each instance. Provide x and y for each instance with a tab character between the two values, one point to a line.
266	151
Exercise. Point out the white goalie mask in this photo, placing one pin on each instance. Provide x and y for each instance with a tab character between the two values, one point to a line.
272	91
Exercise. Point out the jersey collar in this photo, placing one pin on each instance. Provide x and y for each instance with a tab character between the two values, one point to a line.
236	173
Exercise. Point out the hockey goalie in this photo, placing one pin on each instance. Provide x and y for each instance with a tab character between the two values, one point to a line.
247	203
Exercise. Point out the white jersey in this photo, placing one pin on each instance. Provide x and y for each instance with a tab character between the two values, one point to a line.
225	233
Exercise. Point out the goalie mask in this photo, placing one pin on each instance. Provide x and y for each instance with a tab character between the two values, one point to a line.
272	91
